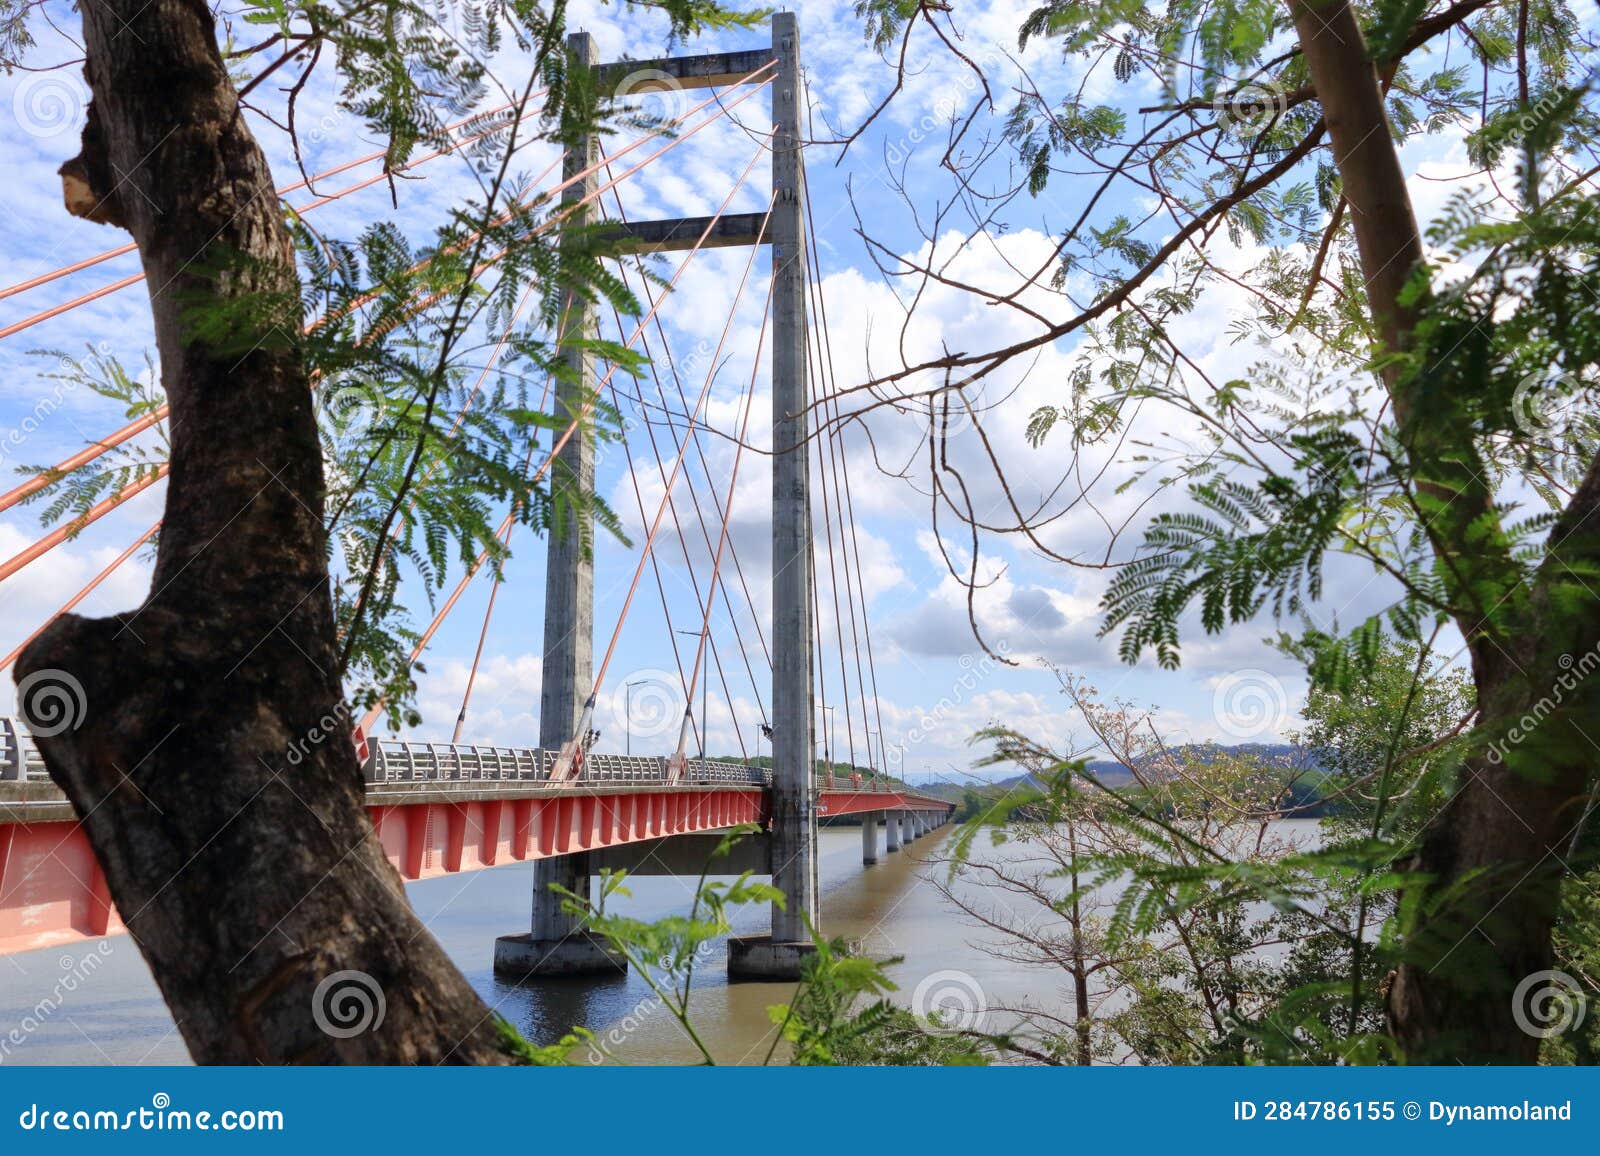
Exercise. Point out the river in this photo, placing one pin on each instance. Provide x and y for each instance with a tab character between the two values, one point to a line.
88	1003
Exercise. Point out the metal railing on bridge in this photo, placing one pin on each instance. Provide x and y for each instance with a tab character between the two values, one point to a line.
20	760
407	761
397	761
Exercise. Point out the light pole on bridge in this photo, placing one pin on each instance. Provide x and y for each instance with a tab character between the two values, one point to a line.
827	742
627	715
705	686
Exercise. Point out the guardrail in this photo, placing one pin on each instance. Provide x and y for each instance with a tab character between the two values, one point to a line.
408	761
20	760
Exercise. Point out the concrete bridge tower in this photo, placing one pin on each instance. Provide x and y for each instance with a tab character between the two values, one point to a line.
555	943
794	830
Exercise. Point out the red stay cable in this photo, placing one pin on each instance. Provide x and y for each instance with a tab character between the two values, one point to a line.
90	453
416	651
122	250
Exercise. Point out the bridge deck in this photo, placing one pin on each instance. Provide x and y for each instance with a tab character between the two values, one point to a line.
437	808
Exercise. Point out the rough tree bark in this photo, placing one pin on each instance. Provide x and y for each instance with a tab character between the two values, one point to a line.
1490	864
247	876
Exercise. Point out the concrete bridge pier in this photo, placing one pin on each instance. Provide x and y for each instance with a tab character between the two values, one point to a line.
556	943
869	838
891	826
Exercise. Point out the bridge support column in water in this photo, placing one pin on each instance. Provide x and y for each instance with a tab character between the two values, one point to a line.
891	830
779	956
869	838
556	943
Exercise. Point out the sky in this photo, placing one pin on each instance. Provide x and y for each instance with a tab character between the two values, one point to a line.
935	686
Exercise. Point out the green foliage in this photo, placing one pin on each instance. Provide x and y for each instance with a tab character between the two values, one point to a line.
396	343
69	496
838	1015
1263	544
558	1054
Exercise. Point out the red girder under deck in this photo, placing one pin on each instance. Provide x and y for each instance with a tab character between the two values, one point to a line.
52	891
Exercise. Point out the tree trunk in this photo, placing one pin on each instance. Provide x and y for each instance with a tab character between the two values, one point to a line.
210	763
1488	869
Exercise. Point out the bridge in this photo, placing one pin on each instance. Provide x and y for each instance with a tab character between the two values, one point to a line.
571	810
441	808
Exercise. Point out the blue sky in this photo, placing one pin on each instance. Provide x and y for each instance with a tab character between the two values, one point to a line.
936	686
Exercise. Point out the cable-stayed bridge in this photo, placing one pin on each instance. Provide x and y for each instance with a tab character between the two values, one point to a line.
452	806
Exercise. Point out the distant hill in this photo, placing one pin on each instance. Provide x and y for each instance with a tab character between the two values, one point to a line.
1305	793
1114	774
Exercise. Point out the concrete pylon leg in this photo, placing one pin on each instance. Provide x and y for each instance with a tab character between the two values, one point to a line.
781	955
556	944
869	838
891	826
